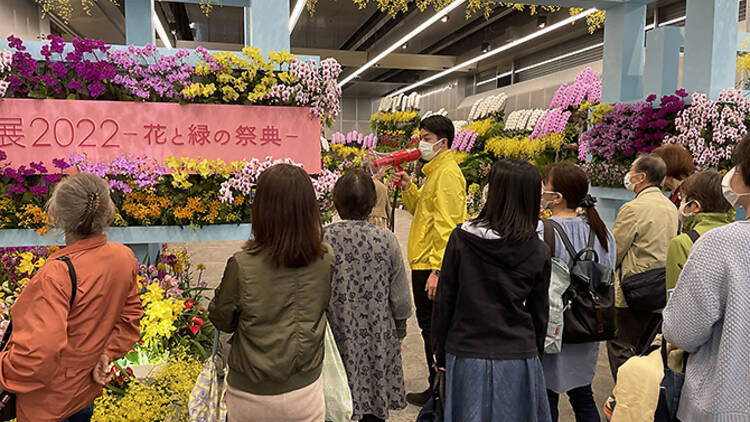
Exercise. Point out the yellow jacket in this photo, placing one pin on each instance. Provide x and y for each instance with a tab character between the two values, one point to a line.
438	207
642	231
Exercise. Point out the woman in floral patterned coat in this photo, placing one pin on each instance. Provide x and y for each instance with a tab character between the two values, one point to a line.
370	300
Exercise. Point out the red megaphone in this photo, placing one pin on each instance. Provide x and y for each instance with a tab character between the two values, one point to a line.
395	159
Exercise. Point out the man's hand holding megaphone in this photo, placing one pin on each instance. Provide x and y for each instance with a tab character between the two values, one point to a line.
401	179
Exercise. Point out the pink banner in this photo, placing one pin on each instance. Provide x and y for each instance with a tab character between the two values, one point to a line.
41	130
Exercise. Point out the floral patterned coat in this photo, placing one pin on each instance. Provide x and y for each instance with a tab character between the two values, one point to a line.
370	293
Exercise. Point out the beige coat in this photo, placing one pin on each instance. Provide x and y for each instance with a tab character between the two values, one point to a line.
642	231
638	382
381	213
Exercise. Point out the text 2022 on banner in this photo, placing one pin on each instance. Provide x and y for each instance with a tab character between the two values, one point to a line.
42	130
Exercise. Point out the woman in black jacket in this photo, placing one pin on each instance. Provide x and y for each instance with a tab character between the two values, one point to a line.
491	309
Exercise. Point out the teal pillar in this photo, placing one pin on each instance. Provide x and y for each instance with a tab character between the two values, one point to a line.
138	28
268	25
663	60
710	46
622	76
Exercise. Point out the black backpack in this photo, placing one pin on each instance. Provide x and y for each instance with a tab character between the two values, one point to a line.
590	316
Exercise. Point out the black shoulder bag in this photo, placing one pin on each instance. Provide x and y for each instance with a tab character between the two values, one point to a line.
644	292
9	399
590	315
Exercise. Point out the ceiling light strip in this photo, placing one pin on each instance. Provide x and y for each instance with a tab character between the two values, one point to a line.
444	11
499	50
502	75
294	17
672	21
560	57
535	65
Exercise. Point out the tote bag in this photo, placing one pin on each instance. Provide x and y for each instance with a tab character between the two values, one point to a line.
338	396
207	401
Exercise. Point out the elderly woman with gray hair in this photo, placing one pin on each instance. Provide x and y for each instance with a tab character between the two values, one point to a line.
370	300
78	313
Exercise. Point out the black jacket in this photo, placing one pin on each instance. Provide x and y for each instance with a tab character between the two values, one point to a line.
492	299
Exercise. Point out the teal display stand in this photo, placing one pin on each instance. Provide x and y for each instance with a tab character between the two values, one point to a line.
609	201
144	241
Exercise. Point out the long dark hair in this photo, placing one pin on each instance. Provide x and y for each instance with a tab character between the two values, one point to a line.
286	218
512	208
571	182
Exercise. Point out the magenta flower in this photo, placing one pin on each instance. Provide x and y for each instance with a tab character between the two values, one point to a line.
61	164
52	179
16	189
38	167
39	190
15	43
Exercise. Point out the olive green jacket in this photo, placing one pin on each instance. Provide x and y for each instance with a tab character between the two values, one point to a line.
642	231
278	319
679	247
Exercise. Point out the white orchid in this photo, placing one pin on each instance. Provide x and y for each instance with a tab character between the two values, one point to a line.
512	120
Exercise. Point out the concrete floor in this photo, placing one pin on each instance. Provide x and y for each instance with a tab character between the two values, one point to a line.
214	255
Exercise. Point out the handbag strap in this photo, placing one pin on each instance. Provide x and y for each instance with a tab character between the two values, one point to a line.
693	235
74	285
73	278
576	255
564	237
215	345
549	235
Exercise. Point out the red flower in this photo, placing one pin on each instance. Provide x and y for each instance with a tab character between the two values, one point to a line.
201	310
198	324
129	371
121	379
189	303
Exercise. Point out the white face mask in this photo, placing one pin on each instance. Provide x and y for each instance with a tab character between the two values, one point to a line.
726	187
685	216
428	150
546	204
629	185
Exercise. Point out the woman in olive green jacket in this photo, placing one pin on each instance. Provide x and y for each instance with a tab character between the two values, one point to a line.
273	298
703	208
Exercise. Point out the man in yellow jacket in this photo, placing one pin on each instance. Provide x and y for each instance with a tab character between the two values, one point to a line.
438	207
